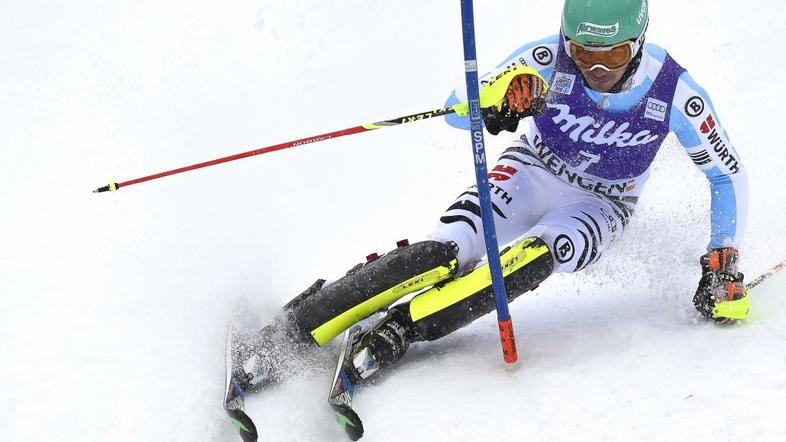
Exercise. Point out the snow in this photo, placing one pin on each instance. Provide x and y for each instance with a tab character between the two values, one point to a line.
114	307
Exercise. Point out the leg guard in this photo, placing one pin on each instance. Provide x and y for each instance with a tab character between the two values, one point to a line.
321	313
444	309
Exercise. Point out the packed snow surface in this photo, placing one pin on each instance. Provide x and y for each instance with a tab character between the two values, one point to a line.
113	307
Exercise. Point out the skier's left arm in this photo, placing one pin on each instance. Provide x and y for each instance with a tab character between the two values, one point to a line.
721	294
699	129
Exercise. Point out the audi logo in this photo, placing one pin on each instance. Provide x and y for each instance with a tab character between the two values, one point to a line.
656	107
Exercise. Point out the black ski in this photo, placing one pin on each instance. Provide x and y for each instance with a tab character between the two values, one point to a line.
242	325
233	405
343	389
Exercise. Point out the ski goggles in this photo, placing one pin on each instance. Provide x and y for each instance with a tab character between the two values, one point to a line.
609	58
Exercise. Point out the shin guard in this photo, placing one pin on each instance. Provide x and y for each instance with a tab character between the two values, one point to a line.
323	312
444	309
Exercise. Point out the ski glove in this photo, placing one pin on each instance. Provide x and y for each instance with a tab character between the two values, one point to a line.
721	295
525	97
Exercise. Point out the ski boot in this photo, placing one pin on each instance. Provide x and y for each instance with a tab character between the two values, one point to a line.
380	347
273	353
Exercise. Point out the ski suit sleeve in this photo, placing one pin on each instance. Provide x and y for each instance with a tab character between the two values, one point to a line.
540	55
697	126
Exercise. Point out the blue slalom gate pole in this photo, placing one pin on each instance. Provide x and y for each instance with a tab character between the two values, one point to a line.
481	175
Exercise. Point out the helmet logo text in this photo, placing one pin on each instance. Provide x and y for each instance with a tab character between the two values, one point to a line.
587	28
642	12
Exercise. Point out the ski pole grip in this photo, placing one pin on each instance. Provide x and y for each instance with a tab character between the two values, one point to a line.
509	352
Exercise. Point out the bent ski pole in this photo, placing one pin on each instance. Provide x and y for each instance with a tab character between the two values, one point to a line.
504	320
759	279
112	186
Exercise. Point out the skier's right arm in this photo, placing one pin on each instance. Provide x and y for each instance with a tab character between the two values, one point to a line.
540	55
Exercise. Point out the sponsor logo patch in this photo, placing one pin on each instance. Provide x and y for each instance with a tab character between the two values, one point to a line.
642	11
542	55
502	173
656	110
235	404
563	83
611	223
607	133
707	125
502	194
694	106
587	28
341	399
722	151
563	248
575	177
717	143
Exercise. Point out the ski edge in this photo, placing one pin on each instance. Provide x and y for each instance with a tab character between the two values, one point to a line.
234	403
342	390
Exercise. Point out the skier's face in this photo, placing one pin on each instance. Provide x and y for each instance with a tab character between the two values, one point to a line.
602	80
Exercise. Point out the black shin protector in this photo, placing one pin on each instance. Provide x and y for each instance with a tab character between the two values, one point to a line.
322	312
442	310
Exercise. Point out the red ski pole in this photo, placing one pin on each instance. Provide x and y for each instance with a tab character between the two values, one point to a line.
772	271
492	95
459	108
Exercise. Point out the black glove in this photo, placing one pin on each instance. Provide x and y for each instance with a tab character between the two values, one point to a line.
721	295
525	97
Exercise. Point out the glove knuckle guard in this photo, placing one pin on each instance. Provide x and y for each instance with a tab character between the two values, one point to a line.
523	98
720	283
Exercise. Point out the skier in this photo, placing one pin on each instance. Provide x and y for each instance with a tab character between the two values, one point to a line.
562	193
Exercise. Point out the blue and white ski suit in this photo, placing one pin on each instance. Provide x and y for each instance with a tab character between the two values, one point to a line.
574	175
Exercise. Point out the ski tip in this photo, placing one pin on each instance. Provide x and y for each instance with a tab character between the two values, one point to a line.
244	425
350	420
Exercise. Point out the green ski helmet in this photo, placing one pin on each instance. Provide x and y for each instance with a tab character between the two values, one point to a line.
605	22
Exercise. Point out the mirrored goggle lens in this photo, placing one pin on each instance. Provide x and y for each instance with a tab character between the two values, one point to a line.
613	58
